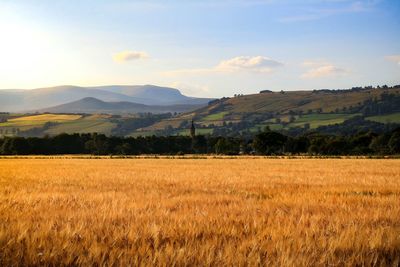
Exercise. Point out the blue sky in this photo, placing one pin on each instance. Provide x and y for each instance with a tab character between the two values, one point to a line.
205	48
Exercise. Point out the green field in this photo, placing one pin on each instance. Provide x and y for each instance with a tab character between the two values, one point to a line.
142	133
199	131
216	116
316	120
390	118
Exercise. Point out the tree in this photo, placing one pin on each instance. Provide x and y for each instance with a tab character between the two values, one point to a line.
380	144
336	146
297	145
98	145
199	144
268	143
123	149
15	146
394	143
227	146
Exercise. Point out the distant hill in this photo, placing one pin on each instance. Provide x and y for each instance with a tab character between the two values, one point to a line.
154	95
93	105
37	99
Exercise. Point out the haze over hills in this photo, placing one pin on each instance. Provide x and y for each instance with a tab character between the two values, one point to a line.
37	99
93	105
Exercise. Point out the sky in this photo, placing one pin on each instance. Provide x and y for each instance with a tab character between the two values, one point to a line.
202	47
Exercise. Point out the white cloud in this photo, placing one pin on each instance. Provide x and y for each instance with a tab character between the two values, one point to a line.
393	58
257	64
324	71
129	55
248	64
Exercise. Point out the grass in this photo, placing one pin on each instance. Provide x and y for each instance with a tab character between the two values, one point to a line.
390	118
316	120
199	131
142	133
27	122
199	212
216	116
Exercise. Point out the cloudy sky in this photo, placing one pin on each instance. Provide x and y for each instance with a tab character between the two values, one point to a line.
203	47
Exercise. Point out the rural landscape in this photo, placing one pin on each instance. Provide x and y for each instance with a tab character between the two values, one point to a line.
200	133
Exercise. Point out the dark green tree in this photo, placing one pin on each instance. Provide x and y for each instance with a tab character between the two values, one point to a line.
268	143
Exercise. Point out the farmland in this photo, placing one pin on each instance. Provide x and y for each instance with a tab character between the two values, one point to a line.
88	124
201	212
31	121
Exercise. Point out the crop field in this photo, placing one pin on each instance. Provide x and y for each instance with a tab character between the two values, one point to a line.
28	122
89	124
199	212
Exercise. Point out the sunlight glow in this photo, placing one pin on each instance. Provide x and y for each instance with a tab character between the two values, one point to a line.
25	51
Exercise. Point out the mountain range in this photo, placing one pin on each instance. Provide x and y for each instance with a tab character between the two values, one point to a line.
93	105
19	100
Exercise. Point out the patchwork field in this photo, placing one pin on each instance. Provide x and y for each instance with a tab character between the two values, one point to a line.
88	124
200	212
28	122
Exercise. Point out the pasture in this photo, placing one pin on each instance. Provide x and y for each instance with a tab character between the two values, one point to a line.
199	212
389	118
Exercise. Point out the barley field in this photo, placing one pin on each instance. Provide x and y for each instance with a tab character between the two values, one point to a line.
200	212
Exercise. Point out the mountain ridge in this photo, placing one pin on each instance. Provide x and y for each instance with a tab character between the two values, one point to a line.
92	105
22	100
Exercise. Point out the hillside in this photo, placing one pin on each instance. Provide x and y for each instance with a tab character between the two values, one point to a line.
37	99
93	105
285	110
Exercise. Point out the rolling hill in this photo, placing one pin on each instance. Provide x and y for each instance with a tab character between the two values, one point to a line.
37	99
283	110
93	105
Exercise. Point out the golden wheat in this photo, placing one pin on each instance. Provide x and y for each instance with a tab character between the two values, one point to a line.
199	212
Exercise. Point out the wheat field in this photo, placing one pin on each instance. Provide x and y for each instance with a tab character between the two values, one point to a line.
199	212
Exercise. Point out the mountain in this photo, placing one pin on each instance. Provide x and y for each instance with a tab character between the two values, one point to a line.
37	99
93	105
154	95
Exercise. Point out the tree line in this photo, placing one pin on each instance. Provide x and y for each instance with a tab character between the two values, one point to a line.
265	143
